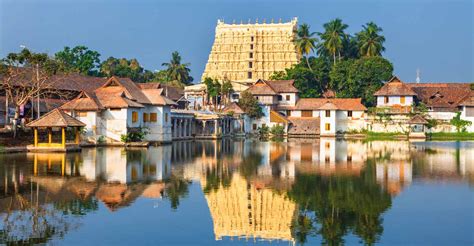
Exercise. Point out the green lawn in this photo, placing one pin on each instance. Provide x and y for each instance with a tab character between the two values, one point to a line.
452	136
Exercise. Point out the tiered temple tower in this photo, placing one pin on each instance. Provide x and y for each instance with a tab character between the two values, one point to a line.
248	52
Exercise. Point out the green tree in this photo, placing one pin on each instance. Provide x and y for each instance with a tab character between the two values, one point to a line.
250	105
360	78
226	90
177	71
213	88
370	42
125	68
333	38
459	123
79	59
305	43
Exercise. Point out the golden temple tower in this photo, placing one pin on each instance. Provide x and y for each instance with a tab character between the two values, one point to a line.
248	52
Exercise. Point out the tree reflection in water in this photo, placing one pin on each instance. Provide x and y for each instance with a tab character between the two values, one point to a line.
176	189
333	206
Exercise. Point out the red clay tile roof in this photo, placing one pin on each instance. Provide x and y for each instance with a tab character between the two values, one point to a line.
329	106
172	92
115	97
278	118
469	100
316	104
395	87
261	88
303	126
56	118
441	95
234	108
83	102
282	86
155	97
417	119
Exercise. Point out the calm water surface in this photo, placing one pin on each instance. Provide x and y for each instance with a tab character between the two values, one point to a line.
240	192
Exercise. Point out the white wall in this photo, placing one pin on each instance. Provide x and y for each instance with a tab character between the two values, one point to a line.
469	118
113	123
394	100
90	130
159	131
331	120
291	102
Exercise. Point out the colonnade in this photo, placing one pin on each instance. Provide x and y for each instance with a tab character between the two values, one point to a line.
182	128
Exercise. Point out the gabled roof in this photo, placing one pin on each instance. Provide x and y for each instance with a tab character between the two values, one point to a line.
395	87
155	97
131	89
233	107
468	100
442	95
261	88
282	86
172	92
354	104
56	118
417	119
278	118
329	106
83	102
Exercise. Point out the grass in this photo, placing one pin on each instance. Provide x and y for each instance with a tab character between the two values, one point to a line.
452	136
384	135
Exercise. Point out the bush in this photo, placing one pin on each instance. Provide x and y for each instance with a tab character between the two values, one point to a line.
277	130
101	140
263	130
134	136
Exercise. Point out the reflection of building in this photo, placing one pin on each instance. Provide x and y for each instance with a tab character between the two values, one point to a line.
242	210
394	176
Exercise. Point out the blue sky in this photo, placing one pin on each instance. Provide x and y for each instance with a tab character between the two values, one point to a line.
435	36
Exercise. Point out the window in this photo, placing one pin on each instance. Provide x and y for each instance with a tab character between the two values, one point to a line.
349	113
250	64
288	97
249	75
145	117
306	113
469	111
327	127
250	55
288	113
251	46
153	117
279	97
254	127
385	100
166	117
81	114
328	113
251	39
235	96
349	158
134	117
402	100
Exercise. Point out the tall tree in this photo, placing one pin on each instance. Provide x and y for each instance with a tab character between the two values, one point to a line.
226	90
177	71
26	76
250	105
305	42
333	38
213	88
78	59
125	68
370	42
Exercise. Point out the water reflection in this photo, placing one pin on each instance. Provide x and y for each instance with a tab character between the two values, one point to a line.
291	191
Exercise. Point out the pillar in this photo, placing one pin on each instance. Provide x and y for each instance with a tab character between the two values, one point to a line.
203	127
63	137
63	164
180	131
36	137
185	128
77	137
49	135
173	127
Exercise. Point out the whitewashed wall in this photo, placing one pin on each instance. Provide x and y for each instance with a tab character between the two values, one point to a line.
394	100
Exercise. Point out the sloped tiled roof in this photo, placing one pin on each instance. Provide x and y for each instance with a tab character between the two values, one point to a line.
282	86
233	107
83	102
469	100
56	118
155	97
261	88
278	118
303	126
441	95
172	92
115	97
316	104
395	87
417	119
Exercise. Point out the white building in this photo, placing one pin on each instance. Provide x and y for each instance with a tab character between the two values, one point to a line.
119	107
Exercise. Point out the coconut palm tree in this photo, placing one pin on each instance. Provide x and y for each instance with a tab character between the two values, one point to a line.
333	38
176	71
305	43
369	40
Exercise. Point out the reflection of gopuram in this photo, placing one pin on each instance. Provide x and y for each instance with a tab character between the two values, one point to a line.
245	210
